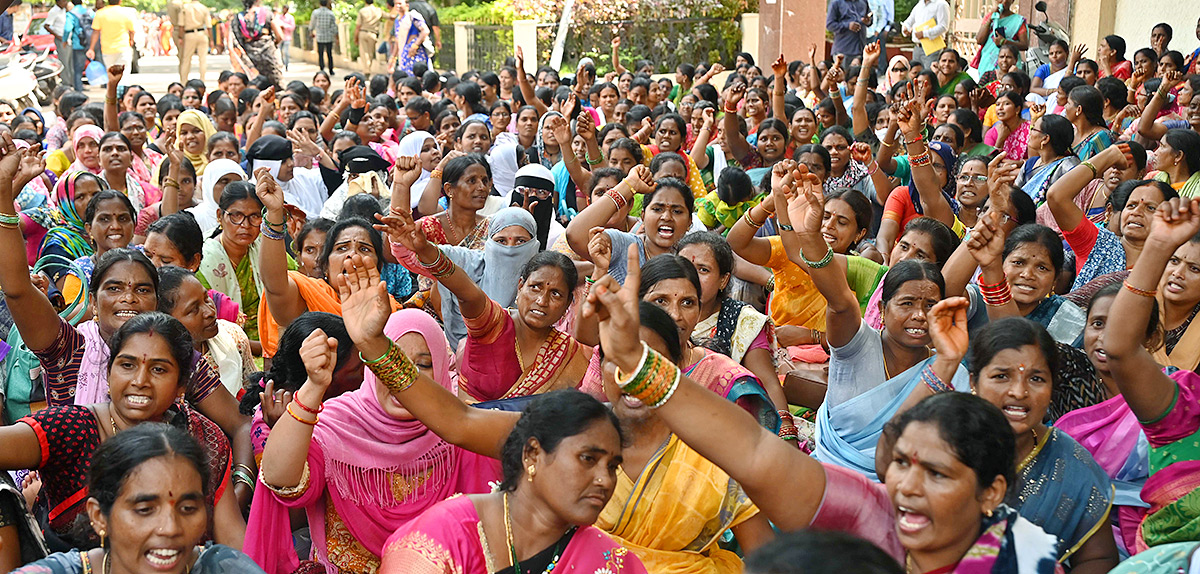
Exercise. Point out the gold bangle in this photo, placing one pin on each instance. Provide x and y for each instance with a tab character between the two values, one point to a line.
109	100
435	174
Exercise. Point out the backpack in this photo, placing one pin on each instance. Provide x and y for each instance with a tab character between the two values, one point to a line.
85	26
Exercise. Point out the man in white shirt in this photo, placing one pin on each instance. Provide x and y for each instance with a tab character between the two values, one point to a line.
939	12
56	21
302	187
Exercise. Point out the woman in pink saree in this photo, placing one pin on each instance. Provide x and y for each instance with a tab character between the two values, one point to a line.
559	465
369	467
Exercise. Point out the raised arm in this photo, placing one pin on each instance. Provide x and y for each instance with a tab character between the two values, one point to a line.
716	428
527	88
986	246
111	111
858	110
779	89
886	156
1147	126
400	228
703	137
742	238
639	180
366	310
616	55
331	120
924	177
32	312
1149	392
1061	195
267	110
734	137
280	290
428	204
562	133
842	314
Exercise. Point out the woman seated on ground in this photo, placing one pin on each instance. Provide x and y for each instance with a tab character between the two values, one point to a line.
1178	160
1097	249
735	194
176	240
670	131
218	174
57	441
150	465
666	218
57	235
108	222
964	439
177	180
230	262
222	343
507	353
1010	133
1163	404
290	293
1050	156
360	437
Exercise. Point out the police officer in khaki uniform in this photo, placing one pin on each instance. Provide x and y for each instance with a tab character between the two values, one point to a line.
190	19
367	33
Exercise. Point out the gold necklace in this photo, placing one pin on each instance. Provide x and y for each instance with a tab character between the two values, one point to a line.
104	565
1032	452
112	421
512	549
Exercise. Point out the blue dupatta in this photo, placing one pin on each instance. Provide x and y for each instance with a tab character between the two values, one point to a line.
1062	490
846	435
1063	319
1038	181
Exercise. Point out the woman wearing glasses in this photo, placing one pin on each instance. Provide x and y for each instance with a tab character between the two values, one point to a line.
229	261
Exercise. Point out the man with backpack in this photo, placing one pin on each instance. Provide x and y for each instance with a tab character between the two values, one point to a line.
77	33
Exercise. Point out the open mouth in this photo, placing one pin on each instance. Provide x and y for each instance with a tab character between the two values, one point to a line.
136	401
125	314
910	521
1016	413
1174	287
666	231
163	558
916	332
829	238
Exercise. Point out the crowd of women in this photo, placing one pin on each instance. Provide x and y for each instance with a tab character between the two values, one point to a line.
808	319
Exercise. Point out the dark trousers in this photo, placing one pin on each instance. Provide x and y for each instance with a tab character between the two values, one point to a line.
324	50
79	61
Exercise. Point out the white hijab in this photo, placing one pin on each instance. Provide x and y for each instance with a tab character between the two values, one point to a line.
504	169
411	145
206	211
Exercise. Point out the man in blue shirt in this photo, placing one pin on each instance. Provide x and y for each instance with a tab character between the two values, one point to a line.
848	20
6	23
75	33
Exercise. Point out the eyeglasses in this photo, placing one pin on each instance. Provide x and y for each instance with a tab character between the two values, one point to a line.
533	192
983	210
898	69
980	179
240	218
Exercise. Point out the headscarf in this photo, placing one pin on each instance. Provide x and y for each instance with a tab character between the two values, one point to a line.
539	146
947	155
69	233
206	211
893	78
81	133
536	176
411	146
504	169
38	113
195	119
497	268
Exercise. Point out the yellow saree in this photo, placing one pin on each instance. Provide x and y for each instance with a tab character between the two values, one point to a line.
672	516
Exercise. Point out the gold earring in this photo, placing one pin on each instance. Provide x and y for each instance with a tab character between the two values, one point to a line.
102	537
988	513
532	471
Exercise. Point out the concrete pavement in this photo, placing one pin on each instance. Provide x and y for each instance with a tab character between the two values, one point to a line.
157	72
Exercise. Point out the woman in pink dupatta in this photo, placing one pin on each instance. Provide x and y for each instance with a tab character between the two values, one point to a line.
87	159
369	469
1109	430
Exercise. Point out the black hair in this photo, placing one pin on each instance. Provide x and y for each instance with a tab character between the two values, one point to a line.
1164	27
665	267
549	419
721	251
1091	103
182	231
631	146
931	77
1153	334
419	105
1041	235
837	131
336	231
345	135
301	115
1147	53
1138	152
111	258
221	137
118	457
859	204
707	92
472	96
1176	58
71	101
960	137
678	185
235	192
969	121
1186	141
665	157
609	128
553	259
1015	97
636	113
456	168
1026	209
1022	81
126	116
734	186
463	127
1085	62
287	370
975	430
945	241
777	125
151	323
116	135
170	278
363	205
1060	132
378	85
276	126
1120	196
107	195
1011	333
821	152
820	552
911	270
1117	44
658	320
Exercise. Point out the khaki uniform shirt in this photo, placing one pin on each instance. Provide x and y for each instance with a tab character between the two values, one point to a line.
368	19
193	15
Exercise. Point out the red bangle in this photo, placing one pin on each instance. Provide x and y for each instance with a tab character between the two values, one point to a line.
304	408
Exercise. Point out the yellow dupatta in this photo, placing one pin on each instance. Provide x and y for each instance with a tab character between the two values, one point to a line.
198	120
1186	354
672	516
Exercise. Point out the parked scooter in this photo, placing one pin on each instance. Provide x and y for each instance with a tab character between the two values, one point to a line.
48	70
17	80
1047	32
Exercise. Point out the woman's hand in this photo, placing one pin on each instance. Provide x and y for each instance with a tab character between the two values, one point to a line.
870	55
267	109
446	159
115	73
600	249
1171	80
643	134
735	94
1036	111
406	171
710	119
1001	176
318	352
585	125
986	243
861	152
268	190
365	306
948	328
640	180
780	172
274	403
562	132
1175	222
809	196
400	228
520	56
304	146
779	66
1077	54
616	308
174	154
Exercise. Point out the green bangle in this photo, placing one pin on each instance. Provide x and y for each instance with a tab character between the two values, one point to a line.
381	357
279	226
786	227
591	161
818	264
10	220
